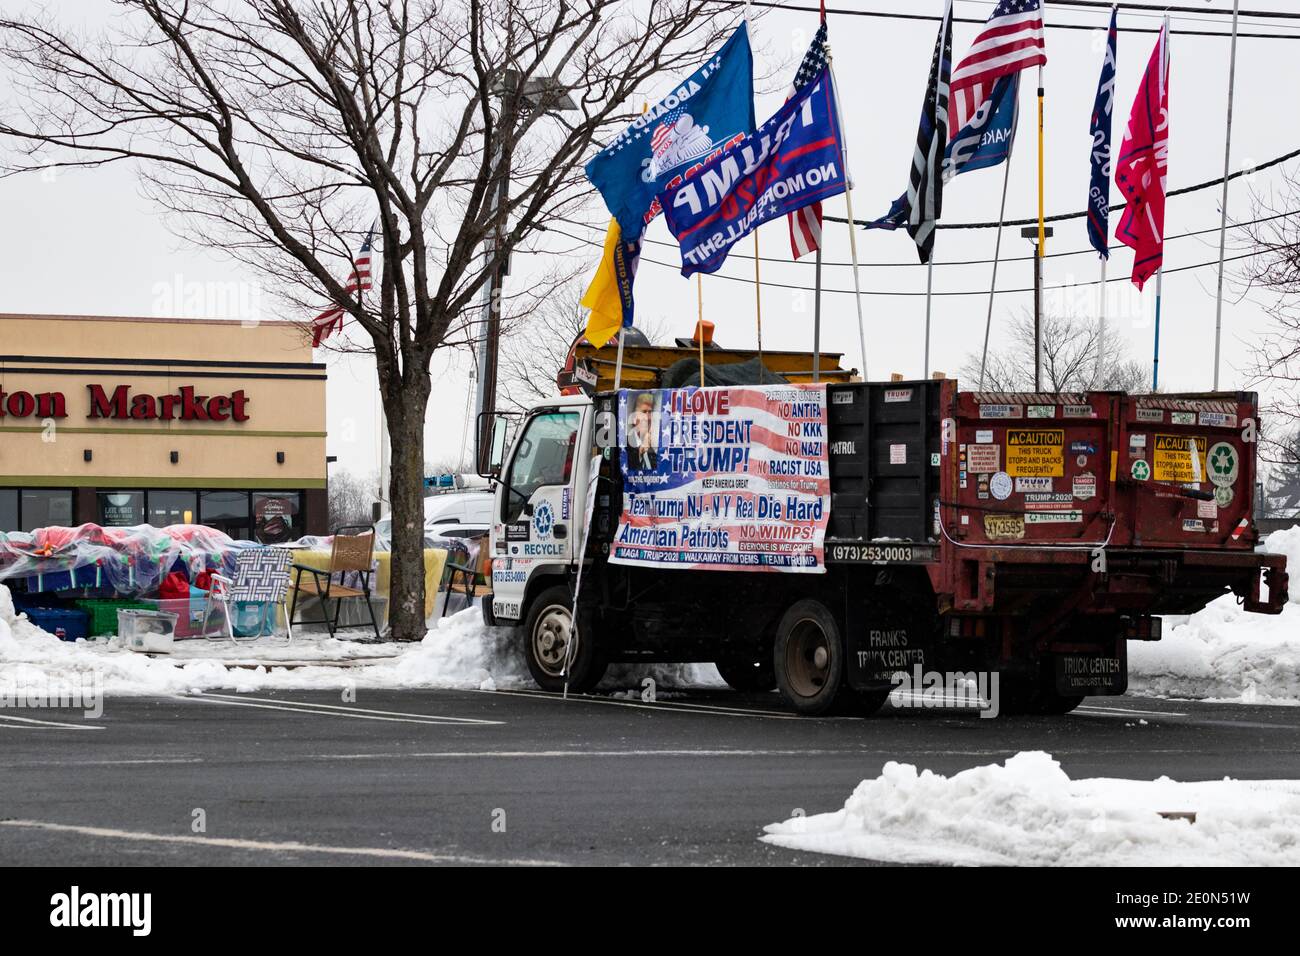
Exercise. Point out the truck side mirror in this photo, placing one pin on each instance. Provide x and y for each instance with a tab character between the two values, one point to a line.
490	444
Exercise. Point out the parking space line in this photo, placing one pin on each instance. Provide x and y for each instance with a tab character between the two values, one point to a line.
347	709
342	712
34	724
668	706
269	846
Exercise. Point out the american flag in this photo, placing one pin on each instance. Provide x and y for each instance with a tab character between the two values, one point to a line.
331	320
659	138
1011	41
806	222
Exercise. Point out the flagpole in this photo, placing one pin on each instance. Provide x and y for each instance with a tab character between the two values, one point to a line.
699	325
817	317
929	285
758	308
1097	380
1223	213
997	253
1155	365
618	360
1042	229
848	203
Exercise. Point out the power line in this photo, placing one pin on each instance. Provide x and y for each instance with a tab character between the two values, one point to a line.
918	265
1062	217
887	15
800	288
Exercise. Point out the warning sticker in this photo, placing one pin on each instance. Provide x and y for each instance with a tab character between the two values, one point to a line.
1036	452
1004	527
1085	485
1173	460
984	458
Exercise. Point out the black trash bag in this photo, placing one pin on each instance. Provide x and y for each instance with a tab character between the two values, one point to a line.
687	372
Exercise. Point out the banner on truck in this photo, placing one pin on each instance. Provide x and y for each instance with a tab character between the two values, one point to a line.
730	479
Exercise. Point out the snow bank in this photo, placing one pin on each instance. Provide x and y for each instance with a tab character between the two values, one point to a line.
1028	812
1224	653
458	652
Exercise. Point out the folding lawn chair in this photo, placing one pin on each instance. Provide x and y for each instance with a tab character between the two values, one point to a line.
261	577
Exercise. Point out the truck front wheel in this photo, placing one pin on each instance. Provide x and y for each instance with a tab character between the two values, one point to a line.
809	657
551	642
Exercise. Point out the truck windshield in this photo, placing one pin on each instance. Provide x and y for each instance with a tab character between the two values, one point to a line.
544	457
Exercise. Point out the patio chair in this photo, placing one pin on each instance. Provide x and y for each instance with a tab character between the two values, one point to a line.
261	577
350	552
463	572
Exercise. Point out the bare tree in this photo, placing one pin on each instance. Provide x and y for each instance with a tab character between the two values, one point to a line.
351	499
278	131
1070	359
1274	272
538	344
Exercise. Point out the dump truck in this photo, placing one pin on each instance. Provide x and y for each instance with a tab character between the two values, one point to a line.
826	538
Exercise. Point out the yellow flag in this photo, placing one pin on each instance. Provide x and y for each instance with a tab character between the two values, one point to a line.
603	296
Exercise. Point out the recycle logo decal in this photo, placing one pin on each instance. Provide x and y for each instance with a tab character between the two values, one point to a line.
543	520
1141	470
1223	463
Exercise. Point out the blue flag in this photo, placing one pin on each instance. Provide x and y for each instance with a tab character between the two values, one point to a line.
986	140
711	110
794	159
1099	191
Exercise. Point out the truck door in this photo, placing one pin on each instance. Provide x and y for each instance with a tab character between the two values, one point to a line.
537	506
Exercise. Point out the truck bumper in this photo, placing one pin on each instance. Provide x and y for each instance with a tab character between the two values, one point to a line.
1174	581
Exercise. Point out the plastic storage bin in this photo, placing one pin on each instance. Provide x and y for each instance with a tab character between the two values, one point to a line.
103	612
147	631
63	624
189	613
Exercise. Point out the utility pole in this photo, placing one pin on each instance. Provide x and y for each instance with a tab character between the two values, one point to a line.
1035	234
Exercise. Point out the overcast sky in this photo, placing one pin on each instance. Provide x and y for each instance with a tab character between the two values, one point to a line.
88	242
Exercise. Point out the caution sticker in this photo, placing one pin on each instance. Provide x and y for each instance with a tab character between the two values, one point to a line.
1173	459
1036	452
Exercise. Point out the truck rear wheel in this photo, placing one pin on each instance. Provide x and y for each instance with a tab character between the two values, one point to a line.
808	657
745	675
551	641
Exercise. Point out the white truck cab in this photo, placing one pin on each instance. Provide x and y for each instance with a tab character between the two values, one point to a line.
537	524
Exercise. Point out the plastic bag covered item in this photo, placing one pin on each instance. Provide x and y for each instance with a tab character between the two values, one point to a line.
128	560
174	586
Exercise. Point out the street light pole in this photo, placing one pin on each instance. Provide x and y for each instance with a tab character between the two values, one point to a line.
1035	234
535	89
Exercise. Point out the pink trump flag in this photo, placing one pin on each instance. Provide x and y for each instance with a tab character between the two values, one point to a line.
1143	164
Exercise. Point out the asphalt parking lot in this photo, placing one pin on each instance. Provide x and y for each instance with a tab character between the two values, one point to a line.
445	776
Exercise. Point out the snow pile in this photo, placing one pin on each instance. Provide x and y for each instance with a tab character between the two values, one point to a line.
458	652
1028	812
1224	653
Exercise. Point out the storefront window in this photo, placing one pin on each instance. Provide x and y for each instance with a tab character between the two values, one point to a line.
45	507
227	511
8	509
121	509
173	507
277	516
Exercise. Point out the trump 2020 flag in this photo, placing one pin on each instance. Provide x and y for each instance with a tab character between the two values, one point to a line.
1099	190
987	139
1143	164
792	160
711	110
